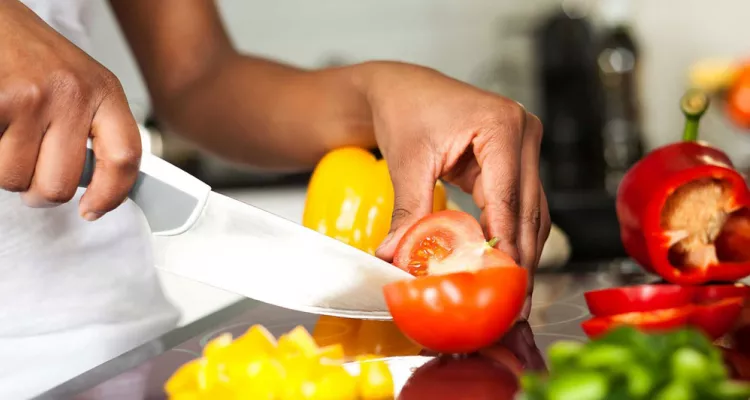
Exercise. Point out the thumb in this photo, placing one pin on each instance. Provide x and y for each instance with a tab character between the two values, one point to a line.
413	187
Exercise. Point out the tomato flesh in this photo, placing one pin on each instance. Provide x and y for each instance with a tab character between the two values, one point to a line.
429	249
466	295
447	241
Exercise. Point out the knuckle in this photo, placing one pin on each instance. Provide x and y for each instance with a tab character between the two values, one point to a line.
15	182
28	95
57	192
505	114
400	214
109	82
510	198
127	160
531	216
70	85
534	126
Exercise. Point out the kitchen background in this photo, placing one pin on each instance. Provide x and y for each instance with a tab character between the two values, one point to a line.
539	52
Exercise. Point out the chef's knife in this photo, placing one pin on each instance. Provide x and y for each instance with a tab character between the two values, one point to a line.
210	238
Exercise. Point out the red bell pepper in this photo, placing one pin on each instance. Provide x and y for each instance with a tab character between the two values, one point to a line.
683	209
718	318
648	321
640	298
714	309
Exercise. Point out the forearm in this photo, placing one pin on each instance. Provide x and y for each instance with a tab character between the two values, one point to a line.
267	114
246	109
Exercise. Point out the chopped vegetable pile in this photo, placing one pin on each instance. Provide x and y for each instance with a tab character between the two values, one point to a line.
256	366
629	364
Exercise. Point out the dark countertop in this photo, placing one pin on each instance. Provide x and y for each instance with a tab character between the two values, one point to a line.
558	310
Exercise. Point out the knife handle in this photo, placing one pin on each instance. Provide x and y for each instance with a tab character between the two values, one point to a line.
170	198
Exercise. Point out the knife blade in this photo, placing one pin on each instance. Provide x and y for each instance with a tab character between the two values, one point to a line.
222	242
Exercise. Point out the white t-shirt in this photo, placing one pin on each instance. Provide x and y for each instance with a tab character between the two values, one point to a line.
73	294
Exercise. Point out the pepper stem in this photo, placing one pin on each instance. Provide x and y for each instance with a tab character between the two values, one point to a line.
493	241
693	105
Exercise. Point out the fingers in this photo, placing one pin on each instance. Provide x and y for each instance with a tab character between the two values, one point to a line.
117	146
19	147
61	156
498	152
529	215
21	132
545	225
414	181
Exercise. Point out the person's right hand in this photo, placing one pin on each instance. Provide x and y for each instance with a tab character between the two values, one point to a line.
53	97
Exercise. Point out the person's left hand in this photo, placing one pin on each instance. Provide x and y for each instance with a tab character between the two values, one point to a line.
429	126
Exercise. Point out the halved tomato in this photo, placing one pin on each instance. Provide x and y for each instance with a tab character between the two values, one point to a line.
717	318
466	295
648	321
447	241
460	312
638	298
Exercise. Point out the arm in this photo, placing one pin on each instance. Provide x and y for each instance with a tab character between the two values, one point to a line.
243	108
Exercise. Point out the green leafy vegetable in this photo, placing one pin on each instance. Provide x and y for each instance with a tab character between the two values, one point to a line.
627	364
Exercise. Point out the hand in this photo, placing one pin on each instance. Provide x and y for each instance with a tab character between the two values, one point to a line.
429	126
53	97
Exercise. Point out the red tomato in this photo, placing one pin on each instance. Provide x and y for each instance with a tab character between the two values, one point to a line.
638	298
466	295
447	233
648	321
718	318
474	377
460	312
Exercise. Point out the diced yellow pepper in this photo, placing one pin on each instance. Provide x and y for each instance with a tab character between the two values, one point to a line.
298	341
185	396
184	379
334	383
375	380
217	345
255	367
334	352
261	378
210	374
256	341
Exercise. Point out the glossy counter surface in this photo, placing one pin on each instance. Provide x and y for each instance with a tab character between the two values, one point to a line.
558	310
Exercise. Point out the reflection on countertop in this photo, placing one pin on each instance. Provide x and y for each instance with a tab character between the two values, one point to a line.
558	310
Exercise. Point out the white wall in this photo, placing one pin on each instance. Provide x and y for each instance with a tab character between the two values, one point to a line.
463	37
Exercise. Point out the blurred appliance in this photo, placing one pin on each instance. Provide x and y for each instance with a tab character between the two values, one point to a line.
618	62
573	110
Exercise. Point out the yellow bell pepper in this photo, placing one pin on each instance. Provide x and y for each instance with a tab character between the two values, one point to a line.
350	198
255	366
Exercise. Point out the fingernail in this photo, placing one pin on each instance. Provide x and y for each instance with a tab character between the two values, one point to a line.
92	216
